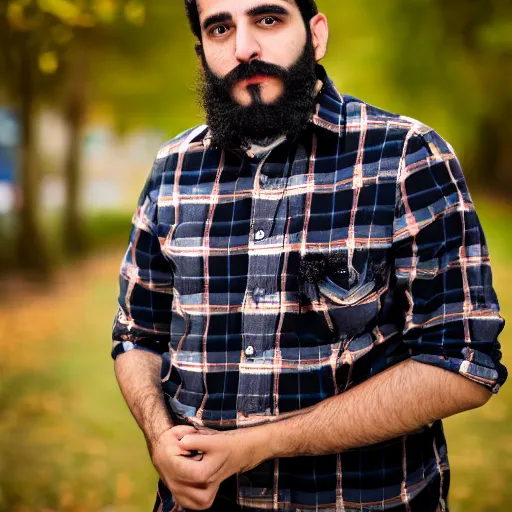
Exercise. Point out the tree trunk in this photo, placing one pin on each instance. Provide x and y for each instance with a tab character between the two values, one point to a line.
31	250
75	110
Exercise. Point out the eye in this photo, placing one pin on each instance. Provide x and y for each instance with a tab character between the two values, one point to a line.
268	21
220	30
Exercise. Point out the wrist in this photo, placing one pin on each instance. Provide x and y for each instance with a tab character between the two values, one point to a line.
266	441
253	446
281	439
155	433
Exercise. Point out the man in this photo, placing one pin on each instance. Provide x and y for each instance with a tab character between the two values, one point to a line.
307	290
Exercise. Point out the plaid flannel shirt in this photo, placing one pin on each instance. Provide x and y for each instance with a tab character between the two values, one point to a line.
271	282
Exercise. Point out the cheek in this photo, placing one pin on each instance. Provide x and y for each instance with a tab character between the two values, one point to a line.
288	55
219	60
285	48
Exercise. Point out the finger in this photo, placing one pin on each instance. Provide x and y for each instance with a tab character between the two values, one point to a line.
200	473
181	431
190	455
199	443
196	456
190	472
205	431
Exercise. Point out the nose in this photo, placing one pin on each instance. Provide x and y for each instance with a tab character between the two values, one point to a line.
247	47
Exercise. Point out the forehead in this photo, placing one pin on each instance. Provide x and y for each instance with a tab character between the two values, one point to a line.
208	7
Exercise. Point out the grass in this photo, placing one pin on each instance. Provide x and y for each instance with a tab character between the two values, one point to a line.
68	442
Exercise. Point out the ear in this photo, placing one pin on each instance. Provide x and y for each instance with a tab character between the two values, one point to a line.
198	47
320	35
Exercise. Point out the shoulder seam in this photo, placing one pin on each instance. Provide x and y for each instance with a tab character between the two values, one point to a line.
180	142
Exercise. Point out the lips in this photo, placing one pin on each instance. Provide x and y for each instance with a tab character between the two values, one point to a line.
254	80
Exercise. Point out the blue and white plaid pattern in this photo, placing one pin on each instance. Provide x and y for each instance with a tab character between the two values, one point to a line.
270	283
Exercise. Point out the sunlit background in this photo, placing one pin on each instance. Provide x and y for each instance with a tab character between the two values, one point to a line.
88	91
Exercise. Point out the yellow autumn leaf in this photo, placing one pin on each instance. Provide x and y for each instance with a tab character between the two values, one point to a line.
62	34
67	500
124	487
48	63
63	9
16	15
135	12
105	9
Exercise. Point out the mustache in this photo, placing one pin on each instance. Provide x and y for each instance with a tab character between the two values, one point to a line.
248	70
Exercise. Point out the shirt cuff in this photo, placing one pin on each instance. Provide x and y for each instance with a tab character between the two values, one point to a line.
474	365
121	347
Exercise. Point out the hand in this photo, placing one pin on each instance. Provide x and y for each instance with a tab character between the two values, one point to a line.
173	462
224	454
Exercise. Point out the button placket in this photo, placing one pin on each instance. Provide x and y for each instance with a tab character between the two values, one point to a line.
255	387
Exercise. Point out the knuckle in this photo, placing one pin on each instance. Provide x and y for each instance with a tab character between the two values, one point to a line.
182	430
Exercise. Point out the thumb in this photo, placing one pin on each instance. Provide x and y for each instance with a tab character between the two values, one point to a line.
197	442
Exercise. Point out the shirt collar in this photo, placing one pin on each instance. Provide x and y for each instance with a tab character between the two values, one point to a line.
330	105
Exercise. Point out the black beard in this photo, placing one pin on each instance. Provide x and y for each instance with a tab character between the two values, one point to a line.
231	123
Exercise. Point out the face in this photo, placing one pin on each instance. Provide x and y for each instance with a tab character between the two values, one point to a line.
238	32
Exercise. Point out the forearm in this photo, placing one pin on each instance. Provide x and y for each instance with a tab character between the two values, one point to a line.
393	403
138	375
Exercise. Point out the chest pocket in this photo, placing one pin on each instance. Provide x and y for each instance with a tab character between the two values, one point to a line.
350	292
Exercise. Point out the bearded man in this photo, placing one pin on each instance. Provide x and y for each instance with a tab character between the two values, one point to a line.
307	291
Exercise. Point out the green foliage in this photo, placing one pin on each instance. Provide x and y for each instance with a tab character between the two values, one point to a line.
45	51
107	230
148	79
443	63
50	26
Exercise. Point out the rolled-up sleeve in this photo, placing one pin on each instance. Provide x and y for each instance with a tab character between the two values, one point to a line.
442	266
146	281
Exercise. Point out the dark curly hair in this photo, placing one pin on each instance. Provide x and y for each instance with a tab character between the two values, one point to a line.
308	9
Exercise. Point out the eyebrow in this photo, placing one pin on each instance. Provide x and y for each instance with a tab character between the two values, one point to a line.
223	17
267	9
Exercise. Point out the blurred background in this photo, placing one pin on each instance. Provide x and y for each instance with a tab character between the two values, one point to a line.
89	90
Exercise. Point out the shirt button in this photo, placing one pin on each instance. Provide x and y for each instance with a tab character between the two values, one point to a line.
260	235
249	351
258	294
